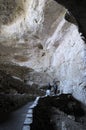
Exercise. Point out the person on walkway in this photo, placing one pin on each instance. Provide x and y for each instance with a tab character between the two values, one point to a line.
55	87
48	91
49	86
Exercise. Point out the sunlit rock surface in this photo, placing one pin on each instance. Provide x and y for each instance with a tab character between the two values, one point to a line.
36	35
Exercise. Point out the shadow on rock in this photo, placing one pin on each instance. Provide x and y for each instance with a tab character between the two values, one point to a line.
43	112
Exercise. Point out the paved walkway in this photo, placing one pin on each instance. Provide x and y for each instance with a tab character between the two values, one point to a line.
16	119
29	115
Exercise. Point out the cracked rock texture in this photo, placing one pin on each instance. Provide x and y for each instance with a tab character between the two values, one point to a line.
36	35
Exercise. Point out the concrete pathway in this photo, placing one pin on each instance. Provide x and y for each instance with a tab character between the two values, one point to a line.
29	115
15	120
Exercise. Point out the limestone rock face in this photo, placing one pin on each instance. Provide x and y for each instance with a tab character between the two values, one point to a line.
36	35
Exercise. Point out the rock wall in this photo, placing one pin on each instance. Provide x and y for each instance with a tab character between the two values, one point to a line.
44	41
68	63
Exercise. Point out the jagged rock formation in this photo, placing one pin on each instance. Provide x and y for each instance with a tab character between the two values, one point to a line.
36	35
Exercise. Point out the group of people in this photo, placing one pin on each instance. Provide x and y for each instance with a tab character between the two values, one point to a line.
54	86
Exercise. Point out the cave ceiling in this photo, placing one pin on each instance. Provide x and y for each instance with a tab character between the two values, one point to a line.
78	9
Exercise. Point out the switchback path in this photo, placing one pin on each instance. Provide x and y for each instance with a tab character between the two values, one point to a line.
16	119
